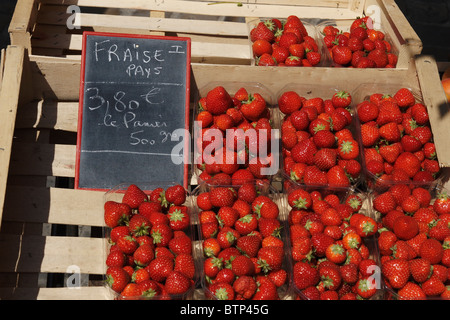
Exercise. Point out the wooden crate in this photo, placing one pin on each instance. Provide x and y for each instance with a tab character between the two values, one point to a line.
38	108
219	31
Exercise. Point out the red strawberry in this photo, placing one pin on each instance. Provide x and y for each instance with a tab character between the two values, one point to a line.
180	244
325	159
348	149
404	97
139	225
116	213
396	272
270	258
242	266
253	108
304	151
221	197
161	234
245	286
134	196
390	132
390	153
419	113
408	162
431	250
337	176
420	269
160	267
261	31
341	99
341	55
289	102
185	264
127	244
117	278
218	100
411	291
367	111
305	275
249	245
176	195
177	283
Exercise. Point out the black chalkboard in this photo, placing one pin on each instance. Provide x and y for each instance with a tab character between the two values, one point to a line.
134	108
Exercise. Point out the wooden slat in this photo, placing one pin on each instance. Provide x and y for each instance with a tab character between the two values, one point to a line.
52	254
43	159
82	293
223	9
48	114
9	94
217	28
200	51
54	205
437	104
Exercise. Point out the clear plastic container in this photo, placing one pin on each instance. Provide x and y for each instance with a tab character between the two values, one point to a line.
324	92
341	195
363	93
232	87
344	26
312	32
117	194
435	192
264	189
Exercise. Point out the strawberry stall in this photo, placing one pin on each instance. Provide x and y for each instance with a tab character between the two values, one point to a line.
350	189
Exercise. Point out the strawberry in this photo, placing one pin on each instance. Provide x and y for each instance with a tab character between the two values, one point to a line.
261	31
253	108
433	287
221	197
143	255
269	226
117	278
341	55
222	291
411	291
390	153
289	102
227	237
304	151
405	227
441	204
336	253
131	291
161	234
367	111
249	245
431	250
266	60
247	224
227	216
245	287
366	226
305	275
242	266
180	244
369	134
420	269
341	99
404	98
127	244
408	162
419	113
337	176
396	272
160	267
185	264
325	159
270	258
176	195
212	266
116	213
149	288
390	132
116	258
177	283
348	149
324	139
218	100
365	288
134	196
379	57
139	225
314	176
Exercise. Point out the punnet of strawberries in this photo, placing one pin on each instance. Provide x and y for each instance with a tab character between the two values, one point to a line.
332	242
289	42
150	251
396	137
235	139
243	241
361	46
414	241
319	141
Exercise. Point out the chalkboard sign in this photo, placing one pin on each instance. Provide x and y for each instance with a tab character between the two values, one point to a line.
134	110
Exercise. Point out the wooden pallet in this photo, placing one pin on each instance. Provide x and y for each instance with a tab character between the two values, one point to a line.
218	29
38	108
